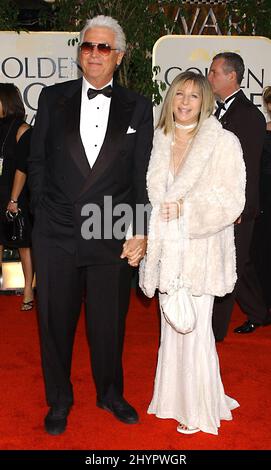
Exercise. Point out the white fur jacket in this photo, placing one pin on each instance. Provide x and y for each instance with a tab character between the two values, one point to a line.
197	250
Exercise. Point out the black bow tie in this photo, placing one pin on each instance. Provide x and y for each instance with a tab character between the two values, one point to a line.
107	91
220	105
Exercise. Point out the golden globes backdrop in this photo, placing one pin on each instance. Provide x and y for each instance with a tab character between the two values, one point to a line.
176	53
37	59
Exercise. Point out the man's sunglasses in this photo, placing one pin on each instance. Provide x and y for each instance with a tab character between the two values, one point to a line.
102	47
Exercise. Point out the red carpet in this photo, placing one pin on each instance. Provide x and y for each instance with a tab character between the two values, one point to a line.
245	365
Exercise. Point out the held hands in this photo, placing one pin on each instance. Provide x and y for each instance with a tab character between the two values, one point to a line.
171	210
134	249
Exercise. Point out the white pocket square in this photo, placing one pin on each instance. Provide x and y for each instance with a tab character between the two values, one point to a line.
130	130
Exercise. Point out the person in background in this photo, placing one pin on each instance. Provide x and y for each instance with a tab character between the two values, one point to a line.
92	139
238	115
196	185
261	251
14	146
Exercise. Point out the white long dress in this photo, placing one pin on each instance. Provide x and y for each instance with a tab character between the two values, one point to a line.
188	386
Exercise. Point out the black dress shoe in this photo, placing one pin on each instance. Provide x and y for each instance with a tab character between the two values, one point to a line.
121	410
55	421
247	327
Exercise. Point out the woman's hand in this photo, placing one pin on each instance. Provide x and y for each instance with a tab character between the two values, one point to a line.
171	210
12	206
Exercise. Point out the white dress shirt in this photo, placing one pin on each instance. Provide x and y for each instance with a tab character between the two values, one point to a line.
93	121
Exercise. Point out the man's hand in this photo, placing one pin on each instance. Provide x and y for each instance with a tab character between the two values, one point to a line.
171	210
238	221
134	249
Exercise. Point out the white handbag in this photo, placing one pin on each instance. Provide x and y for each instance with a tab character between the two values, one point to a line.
179	310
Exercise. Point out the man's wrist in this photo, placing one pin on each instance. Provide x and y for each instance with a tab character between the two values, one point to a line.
140	236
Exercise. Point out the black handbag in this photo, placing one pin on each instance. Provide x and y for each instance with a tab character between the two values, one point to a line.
15	226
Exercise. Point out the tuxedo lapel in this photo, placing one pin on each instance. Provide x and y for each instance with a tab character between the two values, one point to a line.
118	122
74	143
239	97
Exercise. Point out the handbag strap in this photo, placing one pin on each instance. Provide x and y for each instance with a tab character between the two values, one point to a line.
12	215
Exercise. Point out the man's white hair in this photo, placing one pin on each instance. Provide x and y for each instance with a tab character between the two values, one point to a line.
102	21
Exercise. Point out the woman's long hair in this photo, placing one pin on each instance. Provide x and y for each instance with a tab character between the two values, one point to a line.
11	100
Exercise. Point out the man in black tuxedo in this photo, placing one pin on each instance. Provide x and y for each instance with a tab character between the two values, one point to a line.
237	114
89	155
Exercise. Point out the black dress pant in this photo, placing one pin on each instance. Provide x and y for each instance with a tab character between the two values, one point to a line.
61	286
247	291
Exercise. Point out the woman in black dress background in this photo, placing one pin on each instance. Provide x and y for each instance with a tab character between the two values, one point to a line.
14	149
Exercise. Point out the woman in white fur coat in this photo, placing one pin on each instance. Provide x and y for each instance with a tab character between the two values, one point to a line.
196	185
